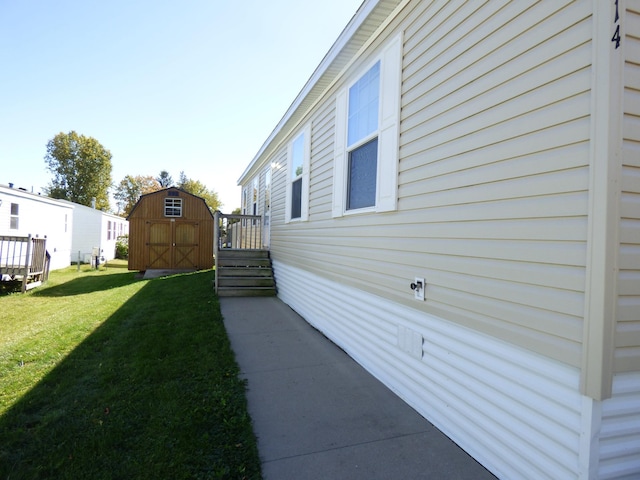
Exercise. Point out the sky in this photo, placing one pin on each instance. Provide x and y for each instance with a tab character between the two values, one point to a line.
190	85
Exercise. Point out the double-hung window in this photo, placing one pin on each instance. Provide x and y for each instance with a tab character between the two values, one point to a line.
254	196
245	200
366	136
362	140
298	186
14	221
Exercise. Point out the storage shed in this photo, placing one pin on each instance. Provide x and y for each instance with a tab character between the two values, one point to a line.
170	230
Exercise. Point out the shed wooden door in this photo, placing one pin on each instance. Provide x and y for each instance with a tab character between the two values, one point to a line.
185	243
172	245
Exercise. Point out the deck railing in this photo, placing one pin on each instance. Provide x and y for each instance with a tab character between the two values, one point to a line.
24	257
237	232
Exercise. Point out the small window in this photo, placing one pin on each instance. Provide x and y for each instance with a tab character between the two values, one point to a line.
109	230
297	168
245	201
14	222
299	160
267	190
172	207
255	196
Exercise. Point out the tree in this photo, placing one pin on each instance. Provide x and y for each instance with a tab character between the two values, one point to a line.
196	187
82	169
129	190
164	179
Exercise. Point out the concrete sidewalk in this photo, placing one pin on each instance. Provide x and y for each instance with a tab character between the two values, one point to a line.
319	415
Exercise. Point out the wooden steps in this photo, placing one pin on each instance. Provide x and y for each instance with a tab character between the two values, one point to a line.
245	273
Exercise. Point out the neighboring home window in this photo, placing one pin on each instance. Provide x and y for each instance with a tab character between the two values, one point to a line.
66	222
298	186
108	229
14	223
172	207
366	137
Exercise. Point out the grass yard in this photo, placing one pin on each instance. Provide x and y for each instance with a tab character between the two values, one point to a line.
104	376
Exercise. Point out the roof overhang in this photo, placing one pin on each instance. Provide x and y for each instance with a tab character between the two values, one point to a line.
365	25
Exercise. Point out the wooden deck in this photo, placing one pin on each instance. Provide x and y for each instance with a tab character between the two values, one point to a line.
24	259
243	264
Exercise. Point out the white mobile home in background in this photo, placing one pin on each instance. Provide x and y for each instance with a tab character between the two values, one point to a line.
23	213
95	229
487	155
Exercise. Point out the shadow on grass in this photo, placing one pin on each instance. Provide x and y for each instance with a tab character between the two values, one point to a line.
88	284
8	287
152	393
121	265
77	286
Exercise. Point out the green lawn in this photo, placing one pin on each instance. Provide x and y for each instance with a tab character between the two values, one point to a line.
103	375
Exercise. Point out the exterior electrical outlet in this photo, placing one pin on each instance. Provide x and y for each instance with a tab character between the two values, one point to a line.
418	292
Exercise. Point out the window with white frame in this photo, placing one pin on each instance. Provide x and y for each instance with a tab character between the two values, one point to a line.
267	189
366	136
299	155
245	200
172	207
14	222
297	167
254	195
362	140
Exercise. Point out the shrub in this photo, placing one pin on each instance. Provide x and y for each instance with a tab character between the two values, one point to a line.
122	247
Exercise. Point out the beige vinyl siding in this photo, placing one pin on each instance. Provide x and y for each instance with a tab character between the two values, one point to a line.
627	354
493	177
496	169
321	180
278	190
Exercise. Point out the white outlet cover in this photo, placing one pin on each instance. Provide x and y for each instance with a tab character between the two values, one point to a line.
419	293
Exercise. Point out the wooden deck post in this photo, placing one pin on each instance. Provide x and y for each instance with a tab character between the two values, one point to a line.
27	260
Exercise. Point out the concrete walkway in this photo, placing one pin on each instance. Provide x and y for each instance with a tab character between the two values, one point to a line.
319	415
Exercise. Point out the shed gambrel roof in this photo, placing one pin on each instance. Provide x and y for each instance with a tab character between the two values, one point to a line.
164	192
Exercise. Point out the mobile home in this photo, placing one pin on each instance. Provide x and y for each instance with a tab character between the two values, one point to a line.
23	213
454	199
95	232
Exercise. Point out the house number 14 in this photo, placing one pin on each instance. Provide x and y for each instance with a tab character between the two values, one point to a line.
616	34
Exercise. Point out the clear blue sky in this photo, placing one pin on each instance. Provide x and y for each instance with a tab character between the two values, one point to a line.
194	85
